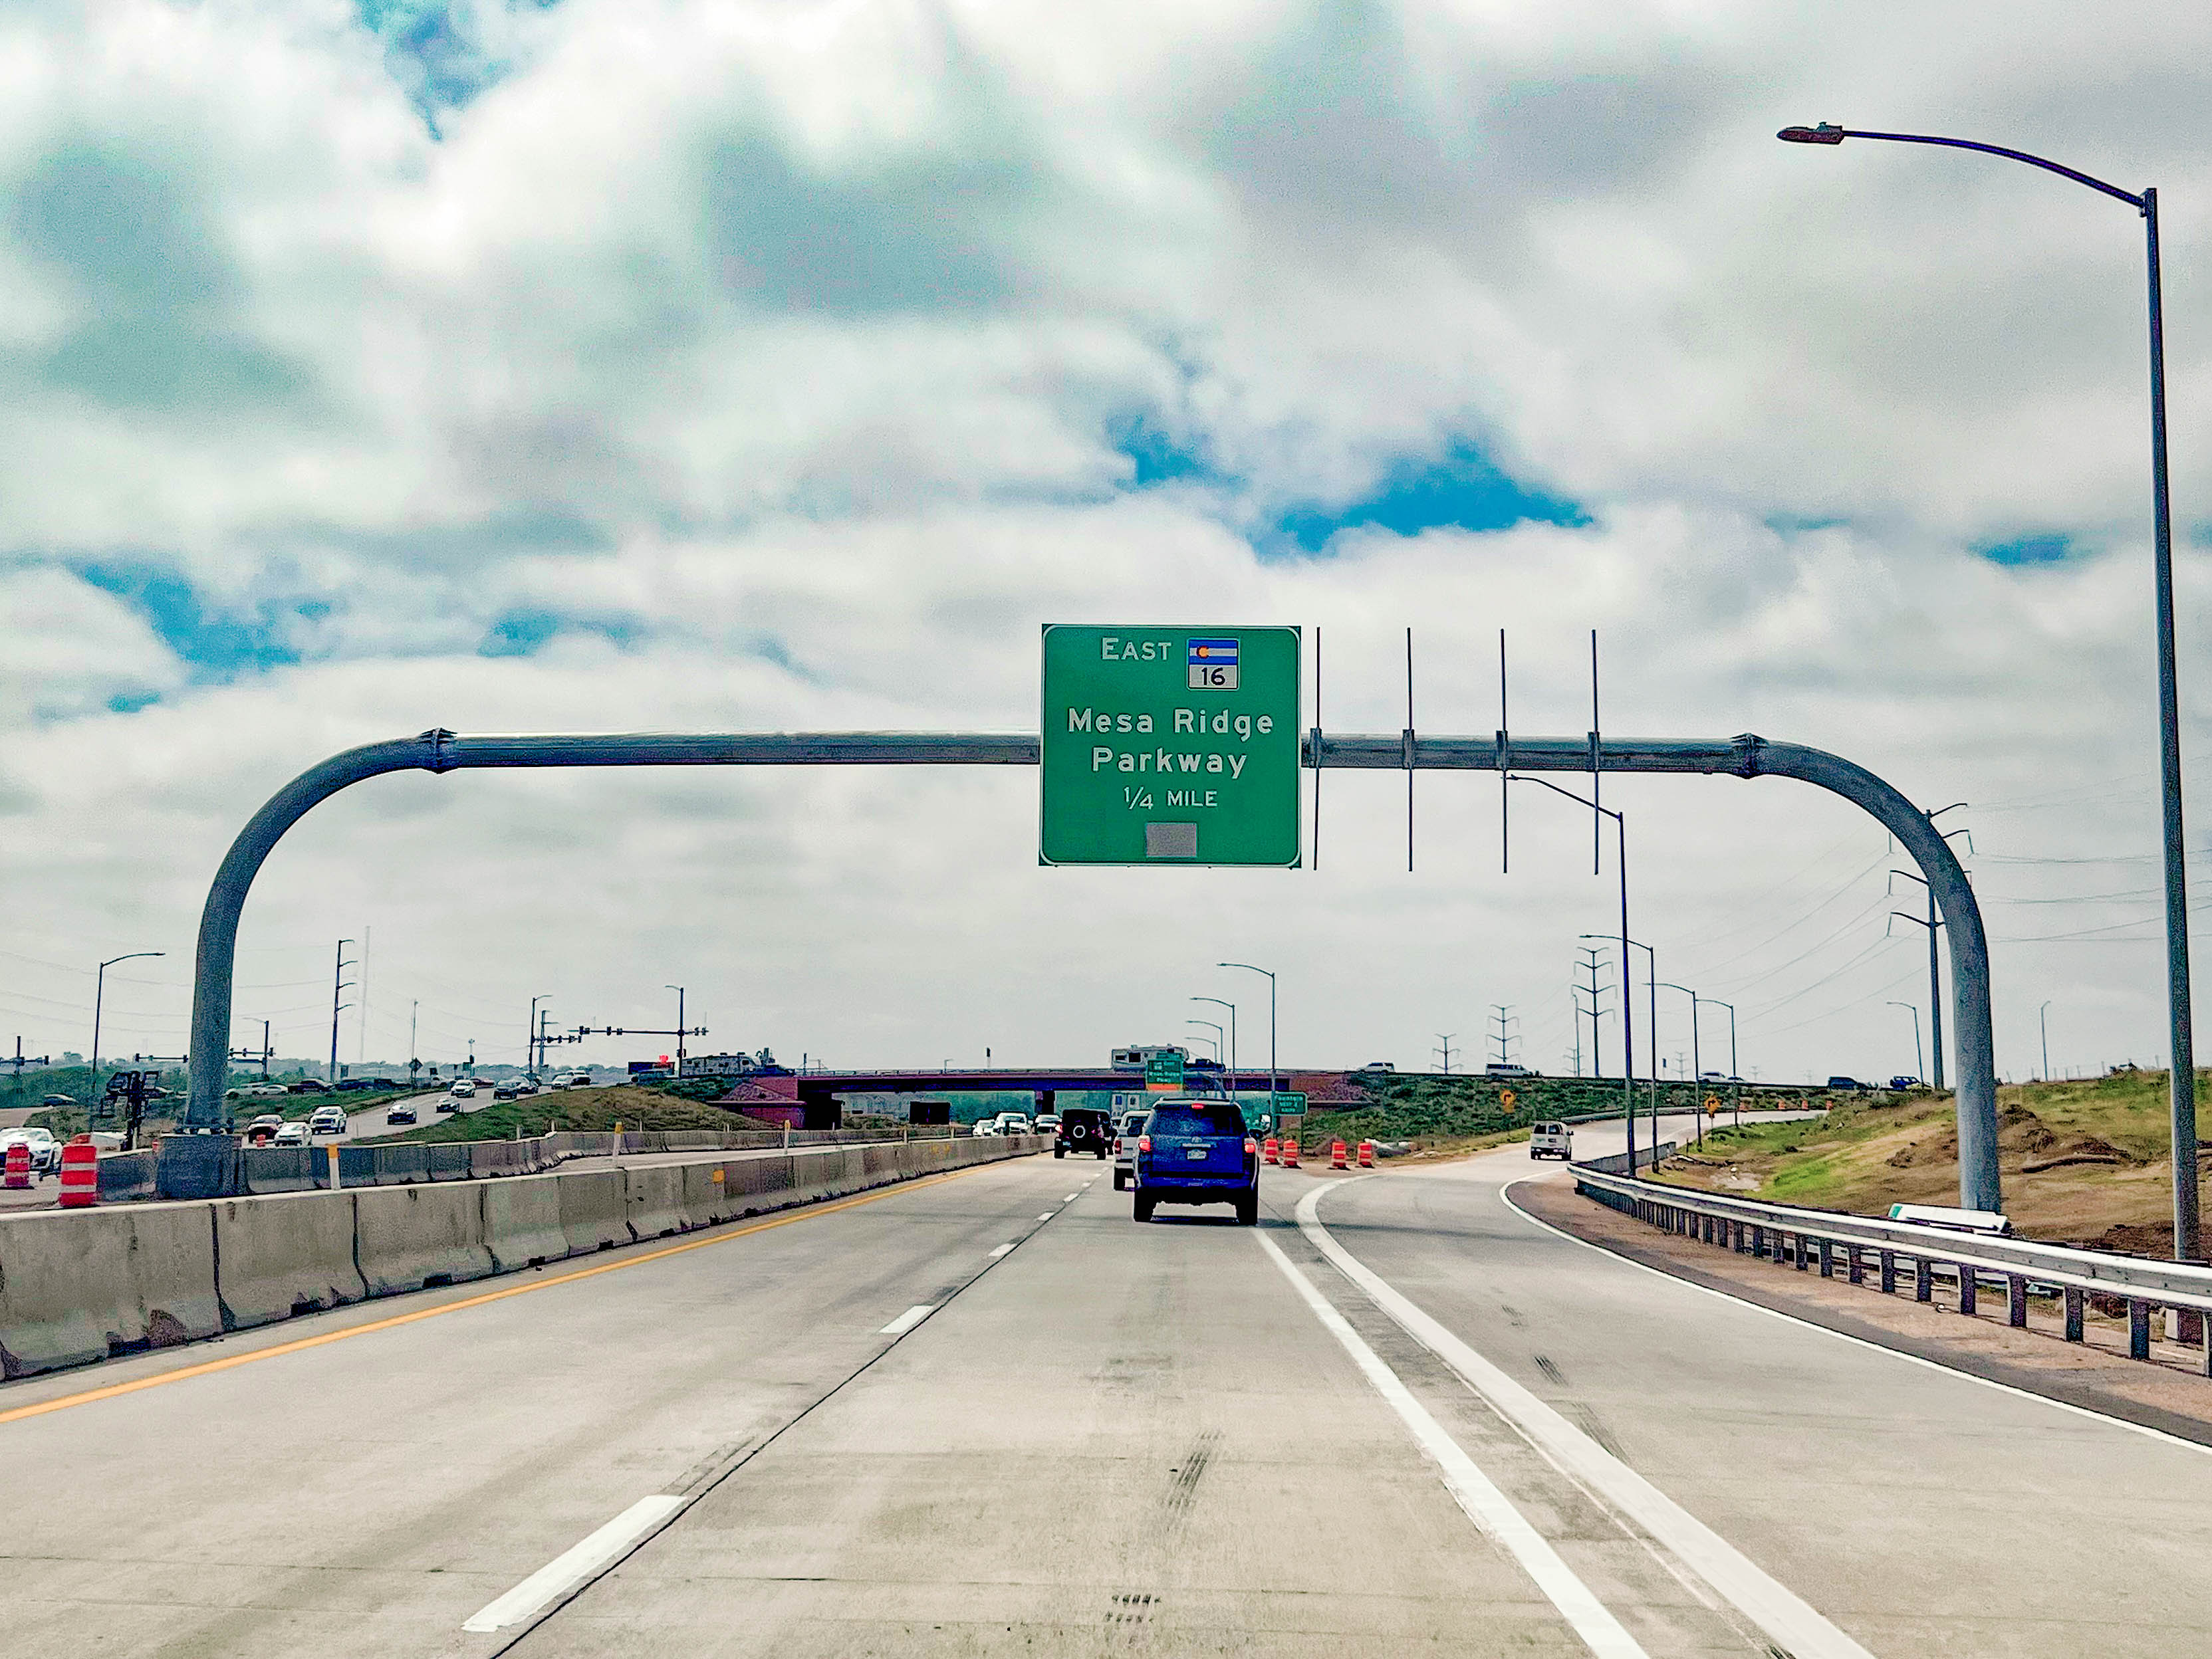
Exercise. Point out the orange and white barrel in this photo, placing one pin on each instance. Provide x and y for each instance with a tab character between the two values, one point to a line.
80	1175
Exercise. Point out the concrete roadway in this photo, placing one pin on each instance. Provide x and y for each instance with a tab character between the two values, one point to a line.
1180	1439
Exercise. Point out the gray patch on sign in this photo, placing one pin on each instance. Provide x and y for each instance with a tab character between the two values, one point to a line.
1170	840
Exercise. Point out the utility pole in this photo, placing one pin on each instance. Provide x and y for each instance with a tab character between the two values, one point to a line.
414	1048
2043	1022
1502	1038
338	983
1592	966
1445	1037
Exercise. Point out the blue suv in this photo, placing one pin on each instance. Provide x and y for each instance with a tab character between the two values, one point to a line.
1197	1152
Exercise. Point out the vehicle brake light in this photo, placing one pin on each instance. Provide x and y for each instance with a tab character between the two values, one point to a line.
1251	1147
1143	1143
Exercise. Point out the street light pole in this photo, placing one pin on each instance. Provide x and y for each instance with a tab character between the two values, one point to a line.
1697	1065
2181	1091
2042	1023
1736	1072
1215	1039
1918	1058
1231	1007
1274	1077
99	992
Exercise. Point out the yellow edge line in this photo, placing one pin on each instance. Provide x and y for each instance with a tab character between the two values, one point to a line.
185	1373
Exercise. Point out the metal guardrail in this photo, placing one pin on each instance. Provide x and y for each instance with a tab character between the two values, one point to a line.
1853	1245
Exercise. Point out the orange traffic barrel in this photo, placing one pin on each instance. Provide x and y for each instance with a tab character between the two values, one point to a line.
1290	1153
18	1168
80	1175
1336	1155
1273	1149
1367	1154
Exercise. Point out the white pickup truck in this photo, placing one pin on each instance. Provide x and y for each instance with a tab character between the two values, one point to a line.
1551	1141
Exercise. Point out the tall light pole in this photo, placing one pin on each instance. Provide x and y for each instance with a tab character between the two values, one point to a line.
2043	1022
1225	1003
1627	1010
99	991
1274	1077
1913	1009
338	983
2182	1079
679	989
1735	1075
1697	1066
533	1050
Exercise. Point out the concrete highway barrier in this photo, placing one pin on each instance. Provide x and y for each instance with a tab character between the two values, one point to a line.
408	1238
77	1286
81	1286
285	1255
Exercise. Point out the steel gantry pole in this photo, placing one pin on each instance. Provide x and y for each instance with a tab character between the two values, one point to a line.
2182	1074
1746	756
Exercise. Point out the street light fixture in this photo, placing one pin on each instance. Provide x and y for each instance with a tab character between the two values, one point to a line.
99	990
1274	1077
1697	1065
2181	1092
1215	1039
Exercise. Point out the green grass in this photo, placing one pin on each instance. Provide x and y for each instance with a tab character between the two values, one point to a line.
599	1109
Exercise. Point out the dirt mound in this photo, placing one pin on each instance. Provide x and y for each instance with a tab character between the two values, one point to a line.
2082	1149
2020	1129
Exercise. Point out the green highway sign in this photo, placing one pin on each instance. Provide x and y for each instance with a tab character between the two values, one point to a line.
1170	746
1163	1071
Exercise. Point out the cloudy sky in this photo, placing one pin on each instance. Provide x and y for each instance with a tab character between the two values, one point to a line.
367	366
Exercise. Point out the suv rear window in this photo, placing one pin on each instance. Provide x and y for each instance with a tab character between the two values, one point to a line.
1223	1119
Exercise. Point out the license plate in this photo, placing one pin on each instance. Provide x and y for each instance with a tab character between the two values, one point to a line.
1196	1154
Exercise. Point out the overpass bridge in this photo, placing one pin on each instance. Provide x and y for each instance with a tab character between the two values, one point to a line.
816	1092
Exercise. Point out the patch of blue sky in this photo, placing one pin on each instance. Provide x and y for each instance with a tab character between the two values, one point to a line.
129	702
217	643
445	53
1466	490
526	631
1798	523
2048	548
1157	457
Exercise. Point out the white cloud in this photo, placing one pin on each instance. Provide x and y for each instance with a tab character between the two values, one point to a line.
774	359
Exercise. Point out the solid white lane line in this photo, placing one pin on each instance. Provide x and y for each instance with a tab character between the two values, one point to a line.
1792	1623
907	1320
1491	1510
573	1566
1001	1250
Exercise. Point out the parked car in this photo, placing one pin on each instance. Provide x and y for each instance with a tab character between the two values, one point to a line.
1125	1148
401	1111
59	1100
265	1091
1904	1082
1082	1128
1852	1084
304	1088
1197	1152
1551	1141
294	1134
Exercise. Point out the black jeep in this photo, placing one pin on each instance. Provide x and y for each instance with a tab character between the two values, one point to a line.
1085	1128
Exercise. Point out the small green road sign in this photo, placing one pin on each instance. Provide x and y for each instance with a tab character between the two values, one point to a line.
1170	746
1164	1071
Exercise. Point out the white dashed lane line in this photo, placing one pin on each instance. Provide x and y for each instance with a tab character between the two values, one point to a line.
573	1566
1001	1250
907	1320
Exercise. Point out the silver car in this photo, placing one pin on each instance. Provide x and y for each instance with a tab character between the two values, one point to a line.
1125	1148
